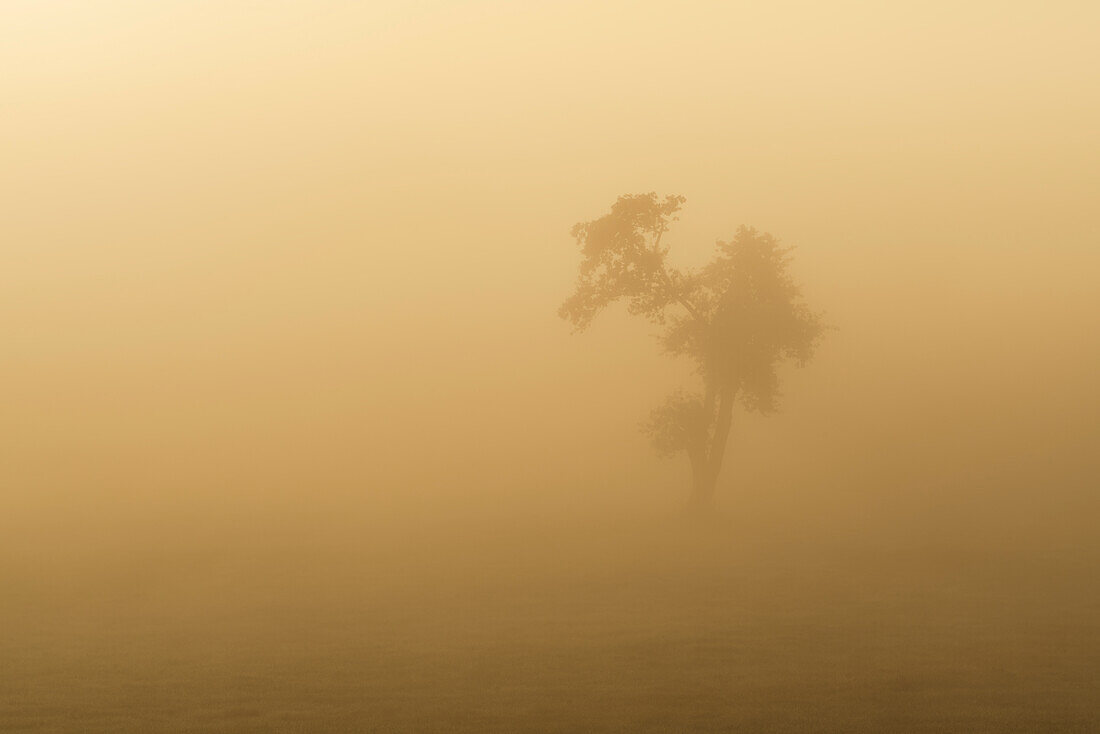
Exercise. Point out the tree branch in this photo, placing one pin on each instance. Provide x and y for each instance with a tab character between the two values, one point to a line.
668	280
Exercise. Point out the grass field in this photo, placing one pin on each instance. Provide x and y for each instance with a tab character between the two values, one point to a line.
532	631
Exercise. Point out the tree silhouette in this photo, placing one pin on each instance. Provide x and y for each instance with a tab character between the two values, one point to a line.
738	319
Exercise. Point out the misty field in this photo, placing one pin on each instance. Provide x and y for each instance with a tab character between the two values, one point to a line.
663	629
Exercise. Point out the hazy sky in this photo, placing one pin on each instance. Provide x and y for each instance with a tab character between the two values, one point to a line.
259	257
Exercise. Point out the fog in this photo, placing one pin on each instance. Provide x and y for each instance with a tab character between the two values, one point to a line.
284	371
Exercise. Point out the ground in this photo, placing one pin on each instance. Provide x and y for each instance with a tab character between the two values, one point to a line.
538	632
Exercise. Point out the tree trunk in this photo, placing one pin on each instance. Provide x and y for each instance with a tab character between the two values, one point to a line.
707	465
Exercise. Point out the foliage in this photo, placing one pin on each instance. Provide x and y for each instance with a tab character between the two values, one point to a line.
679	424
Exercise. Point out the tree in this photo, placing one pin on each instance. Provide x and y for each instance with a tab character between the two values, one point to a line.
737	319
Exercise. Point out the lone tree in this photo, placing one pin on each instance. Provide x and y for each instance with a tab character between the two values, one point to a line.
738	319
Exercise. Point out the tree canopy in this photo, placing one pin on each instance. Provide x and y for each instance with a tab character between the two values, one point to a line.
738	318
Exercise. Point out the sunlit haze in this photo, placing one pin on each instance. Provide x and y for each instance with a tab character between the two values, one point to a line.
294	439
